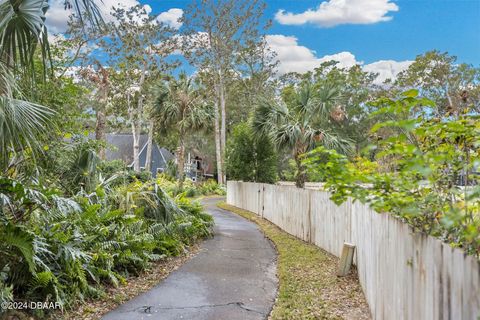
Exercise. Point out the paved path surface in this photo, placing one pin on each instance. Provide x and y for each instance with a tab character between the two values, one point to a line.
232	277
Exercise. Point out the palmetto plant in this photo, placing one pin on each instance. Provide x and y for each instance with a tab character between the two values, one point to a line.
181	106
23	29
63	249
22	33
22	123
301	123
24	254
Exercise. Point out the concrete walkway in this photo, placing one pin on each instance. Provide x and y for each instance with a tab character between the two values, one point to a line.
232	277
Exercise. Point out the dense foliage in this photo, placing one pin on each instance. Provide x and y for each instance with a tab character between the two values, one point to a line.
422	169
189	188
250	157
301	121
55	248
71	224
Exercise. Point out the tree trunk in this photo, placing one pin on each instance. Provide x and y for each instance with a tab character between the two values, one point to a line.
218	146
301	177
223	128
148	158
220	115
136	145
100	126
138	121
181	163
135	134
100	132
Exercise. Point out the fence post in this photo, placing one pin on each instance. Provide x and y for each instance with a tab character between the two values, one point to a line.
263	199
310	224
346	259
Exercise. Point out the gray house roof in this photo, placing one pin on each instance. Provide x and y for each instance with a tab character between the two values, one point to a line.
123	150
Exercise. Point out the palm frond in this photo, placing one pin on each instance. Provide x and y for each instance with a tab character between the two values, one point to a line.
288	134
22	125
13	237
179	104
323	101
23	29
303	100
332	141
201	115
304	123
269	116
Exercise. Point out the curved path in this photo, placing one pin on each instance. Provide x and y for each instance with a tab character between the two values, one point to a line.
232	277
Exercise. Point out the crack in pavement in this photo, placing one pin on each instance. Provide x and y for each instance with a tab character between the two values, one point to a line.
218	238
148	309
246	248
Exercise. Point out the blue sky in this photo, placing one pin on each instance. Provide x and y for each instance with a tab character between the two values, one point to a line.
382	35
417	26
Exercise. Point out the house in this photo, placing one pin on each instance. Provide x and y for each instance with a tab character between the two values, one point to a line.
120	147
198	166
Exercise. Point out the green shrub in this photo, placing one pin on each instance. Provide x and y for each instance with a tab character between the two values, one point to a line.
110	168
417	166
167	183
190	192
171	169
250	157
211	187
67	249
190	189
76	165
142	176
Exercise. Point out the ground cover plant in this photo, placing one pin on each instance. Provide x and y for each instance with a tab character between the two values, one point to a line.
66	249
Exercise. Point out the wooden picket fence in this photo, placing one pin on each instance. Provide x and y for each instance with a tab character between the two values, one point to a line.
404	275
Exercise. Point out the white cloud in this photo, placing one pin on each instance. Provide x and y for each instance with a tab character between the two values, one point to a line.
387	69
171	17
336	12
293	57
345	59
57	16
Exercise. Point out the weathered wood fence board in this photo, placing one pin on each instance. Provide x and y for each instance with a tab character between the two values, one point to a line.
403	275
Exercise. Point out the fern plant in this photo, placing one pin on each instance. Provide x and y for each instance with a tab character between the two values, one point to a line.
54	248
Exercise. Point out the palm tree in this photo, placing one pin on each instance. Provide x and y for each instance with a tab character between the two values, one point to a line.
22	124
301	123
22	32
181	107
23	29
